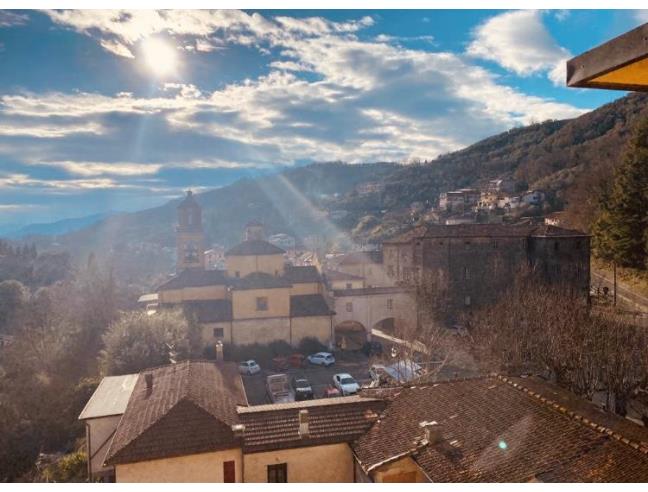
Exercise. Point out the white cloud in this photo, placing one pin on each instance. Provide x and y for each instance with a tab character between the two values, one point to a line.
116	48
106	168
367	101
519	42
10	18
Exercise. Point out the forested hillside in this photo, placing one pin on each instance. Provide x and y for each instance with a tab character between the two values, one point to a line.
569	159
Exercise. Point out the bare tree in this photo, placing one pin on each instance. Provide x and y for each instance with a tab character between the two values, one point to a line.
541	328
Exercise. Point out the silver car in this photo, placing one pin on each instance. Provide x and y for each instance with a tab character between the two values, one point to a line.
321	359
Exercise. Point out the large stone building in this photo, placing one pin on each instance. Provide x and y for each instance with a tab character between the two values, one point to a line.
258	298
476	263
191	422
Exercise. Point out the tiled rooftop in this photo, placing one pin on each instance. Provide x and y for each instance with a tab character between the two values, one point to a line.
493	431
190	409
484	230
331	421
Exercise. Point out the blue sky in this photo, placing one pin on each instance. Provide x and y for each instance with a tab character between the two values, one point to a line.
119	110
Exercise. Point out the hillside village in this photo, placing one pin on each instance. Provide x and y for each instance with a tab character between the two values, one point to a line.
438	321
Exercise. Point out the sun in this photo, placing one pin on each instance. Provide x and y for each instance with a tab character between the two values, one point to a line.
160	58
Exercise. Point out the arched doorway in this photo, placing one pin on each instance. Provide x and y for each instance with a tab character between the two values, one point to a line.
387	326
350	335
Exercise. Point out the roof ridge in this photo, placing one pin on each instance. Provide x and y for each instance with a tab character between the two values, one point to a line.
642	448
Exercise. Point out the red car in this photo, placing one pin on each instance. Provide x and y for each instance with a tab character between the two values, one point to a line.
330	392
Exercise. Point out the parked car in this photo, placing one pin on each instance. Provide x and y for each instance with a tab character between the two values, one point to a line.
302	388
330	392
346	384
280	363
296	360
322	359
249	367
278	389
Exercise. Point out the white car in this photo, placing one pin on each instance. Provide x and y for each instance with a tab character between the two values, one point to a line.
249	367
346	384
321	359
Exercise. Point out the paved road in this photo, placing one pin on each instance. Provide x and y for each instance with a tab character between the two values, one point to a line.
632	299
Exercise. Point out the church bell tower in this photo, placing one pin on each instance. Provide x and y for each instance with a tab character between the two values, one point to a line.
190	236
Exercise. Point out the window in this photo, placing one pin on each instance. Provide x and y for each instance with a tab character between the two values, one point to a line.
466	273
237	274
262	303
556	246
390	304
278	473
467	301
349	307
390	270
229	472
349	285
219	332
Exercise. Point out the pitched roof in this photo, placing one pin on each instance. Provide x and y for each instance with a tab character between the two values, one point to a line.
494	431
337	275
302	274
190	409
483	230
110	397
358	257
309	305
254	247
210	311
331	420
259	280
195	277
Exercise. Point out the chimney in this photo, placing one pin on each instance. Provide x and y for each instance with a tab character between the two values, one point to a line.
149	383
304	431
238	430
431	431
219	351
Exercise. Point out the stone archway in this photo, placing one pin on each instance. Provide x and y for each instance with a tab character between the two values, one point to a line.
386	325
350	335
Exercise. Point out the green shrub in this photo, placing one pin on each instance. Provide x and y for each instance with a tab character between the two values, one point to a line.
311	345
70	468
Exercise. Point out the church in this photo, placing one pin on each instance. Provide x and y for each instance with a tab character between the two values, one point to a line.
257	298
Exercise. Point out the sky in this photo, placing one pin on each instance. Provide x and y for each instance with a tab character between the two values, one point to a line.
123	110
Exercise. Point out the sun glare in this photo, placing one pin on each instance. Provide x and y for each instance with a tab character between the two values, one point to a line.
159	56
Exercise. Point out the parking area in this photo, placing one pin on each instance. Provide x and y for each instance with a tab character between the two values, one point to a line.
355	364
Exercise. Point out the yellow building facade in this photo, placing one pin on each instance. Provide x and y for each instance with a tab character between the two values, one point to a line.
257	298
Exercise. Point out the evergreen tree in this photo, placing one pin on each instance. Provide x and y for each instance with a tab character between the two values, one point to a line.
621	228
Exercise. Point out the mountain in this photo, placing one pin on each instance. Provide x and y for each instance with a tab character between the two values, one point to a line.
569	159
53	228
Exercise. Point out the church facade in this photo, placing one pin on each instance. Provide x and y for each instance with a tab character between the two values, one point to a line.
257	298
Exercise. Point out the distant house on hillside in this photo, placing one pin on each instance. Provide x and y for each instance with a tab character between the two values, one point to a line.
503	185
459	200
533	197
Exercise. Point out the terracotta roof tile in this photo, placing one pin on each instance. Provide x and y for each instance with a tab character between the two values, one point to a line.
190	409
254	247
483	230
195	278
330	421
491	431
302	274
